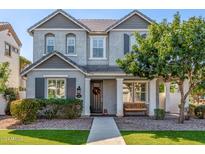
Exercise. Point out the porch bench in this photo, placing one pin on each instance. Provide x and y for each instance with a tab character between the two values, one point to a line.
135	107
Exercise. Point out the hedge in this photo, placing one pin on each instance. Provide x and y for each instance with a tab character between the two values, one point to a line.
159	114
28	110
25	110
197	110
200	111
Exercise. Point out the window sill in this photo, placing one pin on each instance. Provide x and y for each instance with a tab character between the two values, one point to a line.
97	58
71	55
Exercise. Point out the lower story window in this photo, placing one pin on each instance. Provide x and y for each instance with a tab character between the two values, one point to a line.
56	88
134	92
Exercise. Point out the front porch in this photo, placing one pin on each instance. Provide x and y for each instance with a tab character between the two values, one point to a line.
109	96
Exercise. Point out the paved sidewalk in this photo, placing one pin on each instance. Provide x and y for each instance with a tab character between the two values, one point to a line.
104	131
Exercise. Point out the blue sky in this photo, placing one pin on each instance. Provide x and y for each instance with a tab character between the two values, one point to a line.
21	20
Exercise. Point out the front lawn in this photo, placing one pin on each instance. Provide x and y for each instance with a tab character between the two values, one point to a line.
43	137
163	137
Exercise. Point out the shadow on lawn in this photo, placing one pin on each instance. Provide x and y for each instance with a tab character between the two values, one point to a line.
176	136
74	137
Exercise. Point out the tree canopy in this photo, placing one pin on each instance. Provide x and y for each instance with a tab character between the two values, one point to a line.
24	62
172	51
4	75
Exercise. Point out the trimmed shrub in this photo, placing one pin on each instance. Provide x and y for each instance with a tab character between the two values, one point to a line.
28	110
200	111
10	94
192	108
159	114
60	108
25	110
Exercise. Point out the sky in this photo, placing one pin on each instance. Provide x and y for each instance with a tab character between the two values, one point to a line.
21	20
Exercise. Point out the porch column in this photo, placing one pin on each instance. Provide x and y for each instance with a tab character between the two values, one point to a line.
87	96
153	97
167	96
119	96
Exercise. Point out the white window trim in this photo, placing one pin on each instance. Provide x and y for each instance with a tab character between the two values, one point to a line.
71	54
130	44
91	48
54	45
147	90
56	78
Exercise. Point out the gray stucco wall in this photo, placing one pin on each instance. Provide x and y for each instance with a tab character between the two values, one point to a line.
30	90
116	45
109	96
60	44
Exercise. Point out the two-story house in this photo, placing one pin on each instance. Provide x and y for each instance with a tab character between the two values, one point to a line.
9	52
78	57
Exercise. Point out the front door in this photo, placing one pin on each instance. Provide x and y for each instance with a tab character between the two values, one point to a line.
96	94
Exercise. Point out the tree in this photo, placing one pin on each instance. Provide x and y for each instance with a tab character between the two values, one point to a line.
171	52
4	75
198	91
24	62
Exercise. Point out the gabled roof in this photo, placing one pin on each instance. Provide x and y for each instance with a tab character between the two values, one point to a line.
7	26
46	57
87	69
54	14
92	25
134	12
98	25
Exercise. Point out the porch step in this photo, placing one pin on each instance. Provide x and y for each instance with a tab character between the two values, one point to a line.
105	131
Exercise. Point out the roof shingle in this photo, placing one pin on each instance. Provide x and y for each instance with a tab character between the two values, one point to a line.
98	25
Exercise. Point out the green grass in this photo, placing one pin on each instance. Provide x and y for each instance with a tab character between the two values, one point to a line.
43	137
164	137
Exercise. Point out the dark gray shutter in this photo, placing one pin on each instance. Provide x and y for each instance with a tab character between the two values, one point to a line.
39	88
126	43
71	87
144	35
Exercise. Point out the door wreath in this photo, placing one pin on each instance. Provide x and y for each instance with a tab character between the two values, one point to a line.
96	90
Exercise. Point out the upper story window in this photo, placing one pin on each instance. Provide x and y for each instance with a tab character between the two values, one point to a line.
70	44
97	47
50	43
132	41
7	49
15	50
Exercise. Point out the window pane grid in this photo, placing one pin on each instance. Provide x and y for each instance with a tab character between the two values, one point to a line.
70	45
50	43
56	88
7	49
134	92
98	48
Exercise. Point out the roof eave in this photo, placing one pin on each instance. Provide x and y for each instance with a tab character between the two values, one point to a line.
27	69
127	17
32	28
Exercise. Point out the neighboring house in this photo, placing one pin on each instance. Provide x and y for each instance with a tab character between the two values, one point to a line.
72	57
9	52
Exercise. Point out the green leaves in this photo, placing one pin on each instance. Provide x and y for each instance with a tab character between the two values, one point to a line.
4	75
173	51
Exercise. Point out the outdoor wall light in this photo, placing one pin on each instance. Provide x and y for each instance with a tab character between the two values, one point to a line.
78	92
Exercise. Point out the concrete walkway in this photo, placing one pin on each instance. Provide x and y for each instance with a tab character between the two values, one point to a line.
104	131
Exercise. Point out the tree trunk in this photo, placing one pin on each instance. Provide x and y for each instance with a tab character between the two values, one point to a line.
182	104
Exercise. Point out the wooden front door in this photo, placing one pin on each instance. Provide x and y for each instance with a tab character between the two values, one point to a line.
96	96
